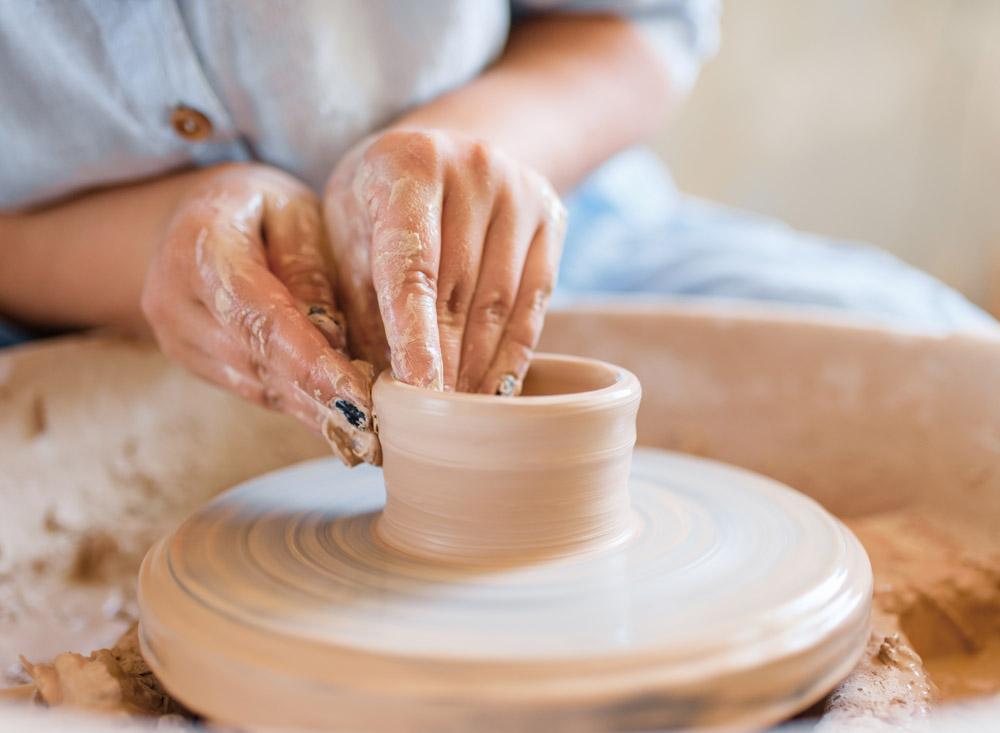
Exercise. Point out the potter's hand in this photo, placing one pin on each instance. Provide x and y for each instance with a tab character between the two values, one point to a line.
447	252
238	292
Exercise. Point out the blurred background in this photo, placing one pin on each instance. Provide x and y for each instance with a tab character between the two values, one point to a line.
873	120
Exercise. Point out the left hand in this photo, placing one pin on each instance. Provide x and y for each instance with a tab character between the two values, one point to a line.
238	292
447	252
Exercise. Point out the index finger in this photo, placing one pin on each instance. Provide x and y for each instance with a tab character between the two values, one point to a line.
406	247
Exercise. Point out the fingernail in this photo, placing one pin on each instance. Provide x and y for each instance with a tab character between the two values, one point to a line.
507	387
355	416
323	316
330	323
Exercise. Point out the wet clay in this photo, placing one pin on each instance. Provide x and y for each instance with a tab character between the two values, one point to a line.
528	580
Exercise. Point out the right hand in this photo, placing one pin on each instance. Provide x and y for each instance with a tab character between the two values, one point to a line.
238	291
447	251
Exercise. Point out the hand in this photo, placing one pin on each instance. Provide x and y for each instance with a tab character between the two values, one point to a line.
447	253
238	292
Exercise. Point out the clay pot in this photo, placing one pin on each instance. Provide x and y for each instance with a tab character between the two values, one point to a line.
477	478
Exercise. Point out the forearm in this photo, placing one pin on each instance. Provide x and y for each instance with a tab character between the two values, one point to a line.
568	93
83	262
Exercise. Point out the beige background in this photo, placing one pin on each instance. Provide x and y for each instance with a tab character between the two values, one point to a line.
876	120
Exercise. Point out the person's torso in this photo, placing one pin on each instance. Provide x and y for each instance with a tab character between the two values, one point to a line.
90	89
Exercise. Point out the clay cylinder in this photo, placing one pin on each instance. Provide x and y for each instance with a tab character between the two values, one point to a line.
483	479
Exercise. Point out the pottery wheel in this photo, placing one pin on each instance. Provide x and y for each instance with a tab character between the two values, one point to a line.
734	600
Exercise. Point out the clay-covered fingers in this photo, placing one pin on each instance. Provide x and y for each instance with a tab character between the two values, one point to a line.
464	224
348	229
518	273
238	292
289	354
437	228
214	355
512	357
405	254
295	246
190	335
504	252
218	355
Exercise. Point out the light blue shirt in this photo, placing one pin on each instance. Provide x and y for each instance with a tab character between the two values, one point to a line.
87	87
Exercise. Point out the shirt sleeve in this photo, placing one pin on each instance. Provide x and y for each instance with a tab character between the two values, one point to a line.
684	32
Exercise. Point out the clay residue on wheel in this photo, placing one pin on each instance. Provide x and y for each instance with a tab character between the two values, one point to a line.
941	581
888	688
115	680
935	624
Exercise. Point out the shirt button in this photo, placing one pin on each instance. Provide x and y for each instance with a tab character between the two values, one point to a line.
189	123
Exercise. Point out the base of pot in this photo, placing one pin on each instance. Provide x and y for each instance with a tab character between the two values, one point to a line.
735	600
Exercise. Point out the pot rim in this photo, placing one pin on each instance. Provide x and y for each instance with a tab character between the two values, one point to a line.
624	387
